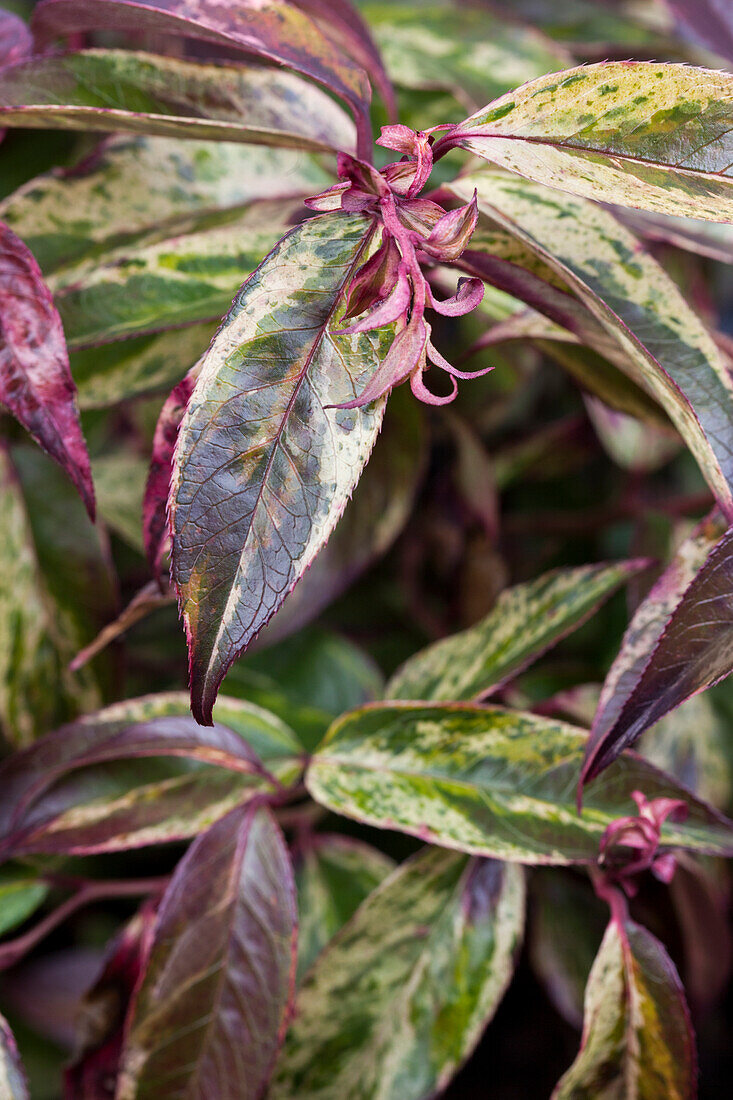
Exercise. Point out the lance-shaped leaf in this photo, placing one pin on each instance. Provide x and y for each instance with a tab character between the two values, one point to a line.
703	238
56	592
13	1084
668	352
489	782
180	280
264	463
679	642
399	998
637	1034
142	93
211	1011
20	896
709	21
334	875
526	620
140	772
138	189
639	134
268	29
35	380
16	41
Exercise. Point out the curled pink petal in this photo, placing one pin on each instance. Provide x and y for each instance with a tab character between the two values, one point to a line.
387	310
406	355
439	360
470	294
398	137
374	279
452	233
362	176
328	200
422	393
420	216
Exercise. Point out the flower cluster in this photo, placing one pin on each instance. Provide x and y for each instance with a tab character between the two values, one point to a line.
390	288
641	836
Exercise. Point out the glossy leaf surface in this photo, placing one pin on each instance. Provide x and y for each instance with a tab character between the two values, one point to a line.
637	1035
672	649
416	974
489	782
121	90
668	351
639	134
526	620
35	380
212	1008
264	467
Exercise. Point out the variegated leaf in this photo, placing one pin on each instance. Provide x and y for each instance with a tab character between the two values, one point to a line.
264	463
183	279
668	352
144	93
211	1010
637	1041
527	620
13	1083
334	875
639	134
272	30
679	642
400	997
489	782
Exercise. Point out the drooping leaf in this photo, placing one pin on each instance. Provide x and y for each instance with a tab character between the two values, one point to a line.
56	591
709	21
269	29
637	1036
400	996
640	134
334	875
121	90
20	896
184	279
526	620
141	772
668	351
679	642
140	189
212	1008
264	467
16	41
13	1084
489	782
35	380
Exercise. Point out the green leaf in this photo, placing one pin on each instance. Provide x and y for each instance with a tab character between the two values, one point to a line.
489	782
587	25
211	1010
181	280
637	1036
119	480
399	998
138	189
56	591
334	874
142	93
668	352
20	896
526	620
13	1084
264	464
639	134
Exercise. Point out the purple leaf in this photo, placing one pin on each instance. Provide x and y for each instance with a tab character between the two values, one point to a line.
709	22
270	29
16	41
213	1006
13	1085
679	642
35	380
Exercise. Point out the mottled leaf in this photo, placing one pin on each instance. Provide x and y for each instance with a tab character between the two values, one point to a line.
399	998
334	874
709	21
16	41
668	351
20	896
13	1084
637	1035
56	591
141	772
264	463
211	1011
268	29
143	93
489	782
639	134
526	620
35	380
679	642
